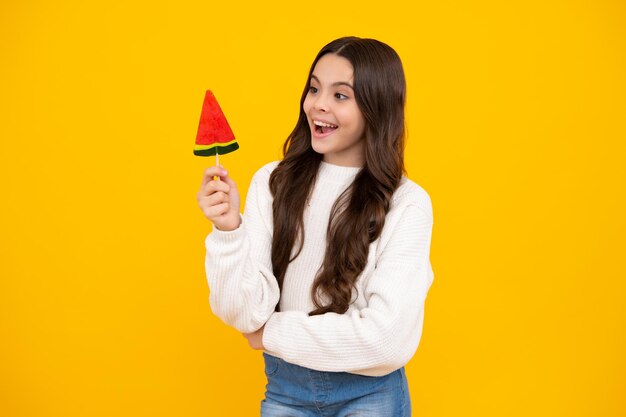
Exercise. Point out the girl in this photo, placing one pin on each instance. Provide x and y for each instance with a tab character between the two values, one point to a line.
328	269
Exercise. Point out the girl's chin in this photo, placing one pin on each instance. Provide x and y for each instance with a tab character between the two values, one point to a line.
317	148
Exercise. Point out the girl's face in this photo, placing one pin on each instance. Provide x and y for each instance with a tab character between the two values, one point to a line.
337	125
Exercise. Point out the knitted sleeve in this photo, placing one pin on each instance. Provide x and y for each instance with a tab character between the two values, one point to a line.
243	289
384	335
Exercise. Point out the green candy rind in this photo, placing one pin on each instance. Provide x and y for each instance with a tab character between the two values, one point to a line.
213	151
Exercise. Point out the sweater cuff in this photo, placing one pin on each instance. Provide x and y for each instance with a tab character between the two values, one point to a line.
224	238
270	336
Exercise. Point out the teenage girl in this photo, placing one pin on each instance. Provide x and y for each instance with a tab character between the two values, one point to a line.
328	269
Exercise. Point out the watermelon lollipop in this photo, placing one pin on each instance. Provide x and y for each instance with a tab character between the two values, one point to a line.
214	134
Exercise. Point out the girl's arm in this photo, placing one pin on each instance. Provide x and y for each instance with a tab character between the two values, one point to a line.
243	289
384	335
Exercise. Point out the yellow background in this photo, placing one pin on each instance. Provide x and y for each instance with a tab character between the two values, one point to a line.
516	129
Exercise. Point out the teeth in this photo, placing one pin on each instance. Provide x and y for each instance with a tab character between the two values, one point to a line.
318	123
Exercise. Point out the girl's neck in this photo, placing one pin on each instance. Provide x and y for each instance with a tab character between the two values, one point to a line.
337	173
355	161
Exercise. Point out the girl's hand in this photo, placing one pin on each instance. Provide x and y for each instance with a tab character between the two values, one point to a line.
219	200
255	340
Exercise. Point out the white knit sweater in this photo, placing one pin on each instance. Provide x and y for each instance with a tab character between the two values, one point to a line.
380	331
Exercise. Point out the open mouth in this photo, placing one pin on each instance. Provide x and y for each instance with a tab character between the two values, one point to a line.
324	128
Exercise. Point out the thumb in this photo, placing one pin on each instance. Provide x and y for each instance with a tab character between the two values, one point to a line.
228	180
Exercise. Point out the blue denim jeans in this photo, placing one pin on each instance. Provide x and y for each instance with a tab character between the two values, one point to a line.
295	391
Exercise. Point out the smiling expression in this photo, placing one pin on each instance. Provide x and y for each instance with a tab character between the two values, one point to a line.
337	125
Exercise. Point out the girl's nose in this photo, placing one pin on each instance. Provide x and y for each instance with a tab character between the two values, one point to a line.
320	103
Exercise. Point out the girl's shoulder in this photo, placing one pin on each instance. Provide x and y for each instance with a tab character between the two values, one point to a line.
259	186
262	175
411	193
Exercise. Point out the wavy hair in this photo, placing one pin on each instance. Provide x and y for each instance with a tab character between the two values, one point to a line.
358	215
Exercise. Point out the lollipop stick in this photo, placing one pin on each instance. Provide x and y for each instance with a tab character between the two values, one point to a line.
217	162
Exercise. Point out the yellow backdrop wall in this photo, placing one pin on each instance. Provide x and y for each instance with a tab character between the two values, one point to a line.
516	129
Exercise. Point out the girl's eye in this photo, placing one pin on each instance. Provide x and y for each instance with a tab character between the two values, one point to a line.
337	95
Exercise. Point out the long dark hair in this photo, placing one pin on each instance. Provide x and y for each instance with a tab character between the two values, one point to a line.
358	216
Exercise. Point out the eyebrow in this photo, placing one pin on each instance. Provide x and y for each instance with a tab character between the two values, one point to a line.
335	84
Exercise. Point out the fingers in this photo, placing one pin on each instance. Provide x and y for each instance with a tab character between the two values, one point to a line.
209	197
215	211
255	339
217	197
229	181
214	186
214	171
